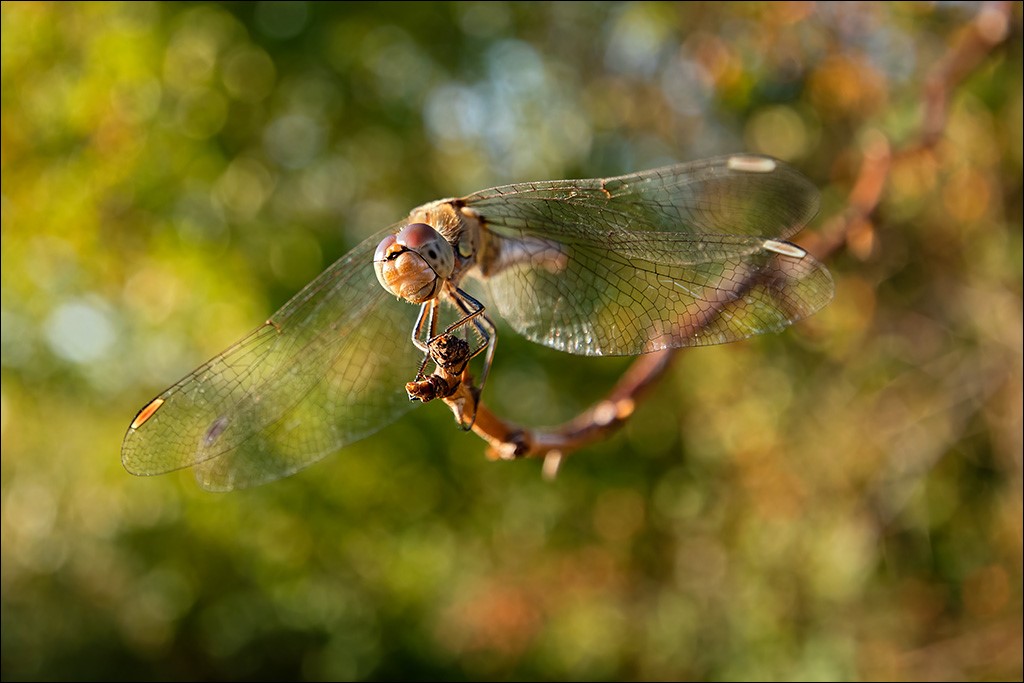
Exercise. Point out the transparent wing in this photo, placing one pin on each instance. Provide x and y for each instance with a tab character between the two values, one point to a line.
327	369
685	255
732	195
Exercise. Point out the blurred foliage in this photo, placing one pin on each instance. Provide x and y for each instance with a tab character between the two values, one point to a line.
842	501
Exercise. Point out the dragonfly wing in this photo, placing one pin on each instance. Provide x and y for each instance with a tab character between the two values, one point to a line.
681	256
733	195
608	297
327	369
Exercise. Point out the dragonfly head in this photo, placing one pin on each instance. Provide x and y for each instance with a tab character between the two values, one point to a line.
414	263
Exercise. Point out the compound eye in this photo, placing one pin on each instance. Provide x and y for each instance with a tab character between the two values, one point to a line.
384	248
430	245
416	235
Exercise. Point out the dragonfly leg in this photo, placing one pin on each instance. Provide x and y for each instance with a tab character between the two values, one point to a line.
438	347
487	334
426	319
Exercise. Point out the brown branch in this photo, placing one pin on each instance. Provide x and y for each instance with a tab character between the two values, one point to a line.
853	230
972	43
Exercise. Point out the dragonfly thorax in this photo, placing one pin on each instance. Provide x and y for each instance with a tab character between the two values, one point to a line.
414	264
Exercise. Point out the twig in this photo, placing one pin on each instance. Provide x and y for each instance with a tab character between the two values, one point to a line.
853	229
989	27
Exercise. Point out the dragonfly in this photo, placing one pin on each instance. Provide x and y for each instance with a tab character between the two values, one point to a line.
692	254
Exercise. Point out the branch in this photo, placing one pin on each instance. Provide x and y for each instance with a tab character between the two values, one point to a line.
972	43
852	230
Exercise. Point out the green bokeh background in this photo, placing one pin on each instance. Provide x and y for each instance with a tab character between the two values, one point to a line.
841	501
